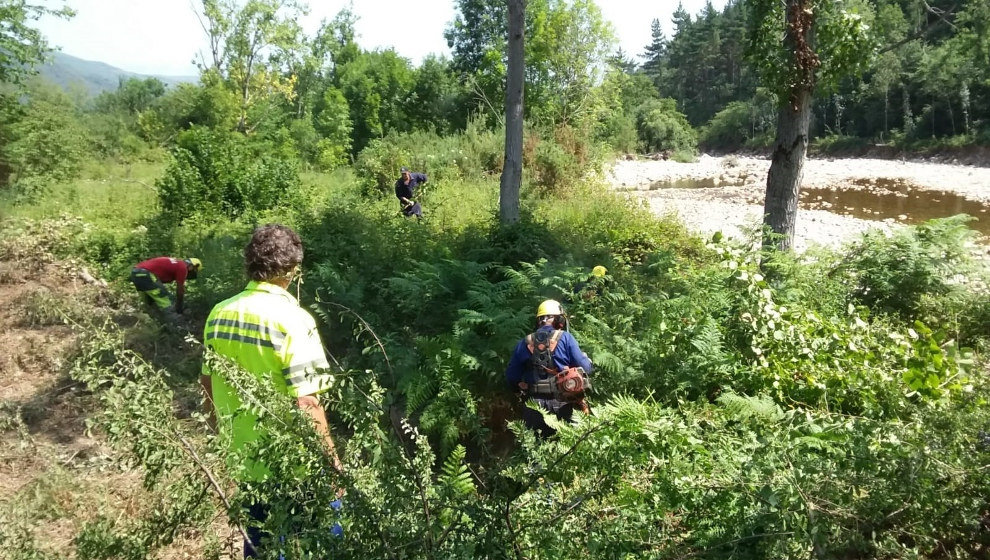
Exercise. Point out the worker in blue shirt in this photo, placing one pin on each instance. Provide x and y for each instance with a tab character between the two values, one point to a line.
405	190
549	367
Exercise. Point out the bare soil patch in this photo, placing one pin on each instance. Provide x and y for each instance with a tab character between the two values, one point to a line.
56	476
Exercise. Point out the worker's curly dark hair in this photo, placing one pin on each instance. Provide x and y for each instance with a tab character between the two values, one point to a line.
274	250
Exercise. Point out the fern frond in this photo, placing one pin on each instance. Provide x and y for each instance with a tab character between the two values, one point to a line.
707	341
454	476
745	407
625	409
420	389
608	362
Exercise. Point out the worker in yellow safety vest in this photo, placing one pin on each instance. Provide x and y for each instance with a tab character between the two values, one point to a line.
265	332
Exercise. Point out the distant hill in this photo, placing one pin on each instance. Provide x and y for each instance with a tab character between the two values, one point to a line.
95	77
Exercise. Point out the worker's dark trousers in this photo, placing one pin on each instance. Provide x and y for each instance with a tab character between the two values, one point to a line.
534	420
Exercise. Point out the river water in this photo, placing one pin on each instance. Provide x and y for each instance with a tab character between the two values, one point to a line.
884	199
879	199
840	198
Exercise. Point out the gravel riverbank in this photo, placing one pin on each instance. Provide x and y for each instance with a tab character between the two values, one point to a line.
729	191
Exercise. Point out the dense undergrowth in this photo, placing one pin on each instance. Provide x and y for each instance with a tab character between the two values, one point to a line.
826	409
832	405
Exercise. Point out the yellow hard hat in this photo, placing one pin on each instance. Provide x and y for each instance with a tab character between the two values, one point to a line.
549	307
195	263
599	271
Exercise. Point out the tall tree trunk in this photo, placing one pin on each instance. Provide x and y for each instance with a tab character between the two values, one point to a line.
886	111
964	101
786	169
908	115
933	114
952	115
793	118
508	199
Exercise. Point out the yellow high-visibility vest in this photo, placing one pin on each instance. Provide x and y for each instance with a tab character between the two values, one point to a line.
265	332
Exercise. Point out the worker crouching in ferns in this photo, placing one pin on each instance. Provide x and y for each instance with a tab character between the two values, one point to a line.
549	368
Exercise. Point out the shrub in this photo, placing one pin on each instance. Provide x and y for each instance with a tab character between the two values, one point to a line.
45	140
114	249
209	105
729	128
838	143
113	138
554	166
684	156
378	164
305	139
560	158
742	124
662	127
220	174
332	122
484	148
619	131
893	274
475	152
330	155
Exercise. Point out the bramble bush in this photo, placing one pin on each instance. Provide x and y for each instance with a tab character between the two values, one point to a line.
468	155
557	158
563	159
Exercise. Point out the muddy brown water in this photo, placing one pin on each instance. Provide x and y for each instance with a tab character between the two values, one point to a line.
874	199
882	199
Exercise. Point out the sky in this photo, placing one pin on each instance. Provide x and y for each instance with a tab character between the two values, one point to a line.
163	37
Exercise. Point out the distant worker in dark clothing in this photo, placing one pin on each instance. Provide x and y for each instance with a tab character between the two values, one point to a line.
150	277
405	191
549	367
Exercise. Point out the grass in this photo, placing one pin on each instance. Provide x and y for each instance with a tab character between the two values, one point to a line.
944	145
117	196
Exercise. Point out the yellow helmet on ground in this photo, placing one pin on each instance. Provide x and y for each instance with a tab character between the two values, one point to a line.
549	307
195	263
599	271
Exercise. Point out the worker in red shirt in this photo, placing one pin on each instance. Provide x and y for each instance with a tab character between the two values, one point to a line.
150	277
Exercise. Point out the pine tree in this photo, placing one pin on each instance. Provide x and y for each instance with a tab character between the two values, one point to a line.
622	61
655	52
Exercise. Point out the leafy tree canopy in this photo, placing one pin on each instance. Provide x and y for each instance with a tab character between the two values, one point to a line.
21	45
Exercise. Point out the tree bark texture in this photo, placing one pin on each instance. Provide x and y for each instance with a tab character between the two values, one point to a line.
508	200
786	169
794	116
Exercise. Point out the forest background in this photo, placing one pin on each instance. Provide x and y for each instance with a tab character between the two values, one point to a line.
826	405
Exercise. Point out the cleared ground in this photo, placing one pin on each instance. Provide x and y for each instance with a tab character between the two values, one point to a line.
56	474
